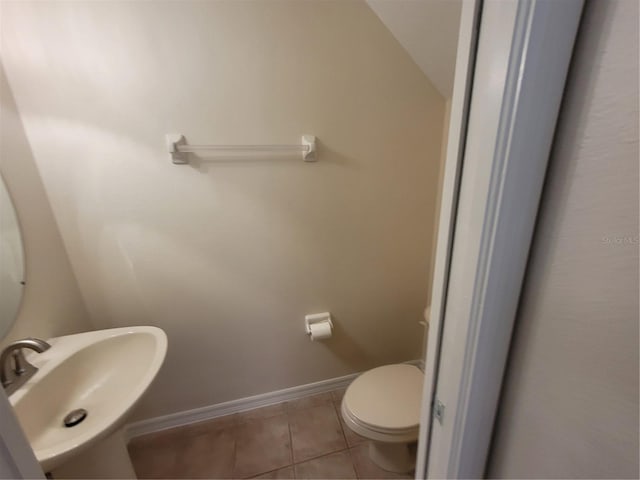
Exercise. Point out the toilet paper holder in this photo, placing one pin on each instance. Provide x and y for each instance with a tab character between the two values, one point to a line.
316	318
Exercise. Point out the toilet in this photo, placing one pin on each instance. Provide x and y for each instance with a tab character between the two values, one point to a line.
383	405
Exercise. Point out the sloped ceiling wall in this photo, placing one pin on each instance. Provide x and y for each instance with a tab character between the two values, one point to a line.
428	30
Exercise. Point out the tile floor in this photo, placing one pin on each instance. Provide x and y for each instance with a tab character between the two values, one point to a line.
304	438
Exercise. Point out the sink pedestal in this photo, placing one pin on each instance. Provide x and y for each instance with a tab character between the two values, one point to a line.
108	458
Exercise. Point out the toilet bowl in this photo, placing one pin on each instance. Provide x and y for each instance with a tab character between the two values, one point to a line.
383	405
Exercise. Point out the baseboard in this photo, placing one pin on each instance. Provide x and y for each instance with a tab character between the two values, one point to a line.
209	412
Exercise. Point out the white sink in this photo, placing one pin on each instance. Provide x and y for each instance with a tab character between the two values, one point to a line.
104	372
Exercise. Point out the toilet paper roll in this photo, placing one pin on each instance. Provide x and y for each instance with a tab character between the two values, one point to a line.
320	331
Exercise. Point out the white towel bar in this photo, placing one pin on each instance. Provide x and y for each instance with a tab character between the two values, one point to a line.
179	149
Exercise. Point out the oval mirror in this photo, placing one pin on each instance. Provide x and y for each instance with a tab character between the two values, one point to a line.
11	262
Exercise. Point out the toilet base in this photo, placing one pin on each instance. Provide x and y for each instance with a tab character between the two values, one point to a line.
393	457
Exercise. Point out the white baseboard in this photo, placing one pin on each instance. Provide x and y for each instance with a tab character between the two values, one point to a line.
209	412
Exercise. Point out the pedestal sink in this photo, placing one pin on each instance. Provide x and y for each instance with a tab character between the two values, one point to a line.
104	372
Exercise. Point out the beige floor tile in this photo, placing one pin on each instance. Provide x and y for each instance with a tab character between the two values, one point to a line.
175	434
185	453
315	431
208	455
152	463
263	412
310	401
281	474
366	469
337	395
262	445
157	459
157	438
335	465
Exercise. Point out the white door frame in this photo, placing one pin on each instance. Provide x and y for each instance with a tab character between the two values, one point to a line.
522	56
493	178
461	98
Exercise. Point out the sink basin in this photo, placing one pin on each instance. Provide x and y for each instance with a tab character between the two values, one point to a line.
104	372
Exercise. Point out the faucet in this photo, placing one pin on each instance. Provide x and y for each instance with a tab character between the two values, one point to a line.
14	368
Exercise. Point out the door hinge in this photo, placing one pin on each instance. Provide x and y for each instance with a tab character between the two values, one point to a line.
438	411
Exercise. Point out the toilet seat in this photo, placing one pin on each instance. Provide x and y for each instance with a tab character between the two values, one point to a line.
384	403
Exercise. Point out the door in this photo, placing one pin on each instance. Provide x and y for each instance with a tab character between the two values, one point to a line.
522	56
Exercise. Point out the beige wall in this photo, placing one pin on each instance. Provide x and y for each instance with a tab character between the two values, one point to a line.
52	304
227	258
570	404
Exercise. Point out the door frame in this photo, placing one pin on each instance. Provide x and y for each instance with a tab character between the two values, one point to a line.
494	173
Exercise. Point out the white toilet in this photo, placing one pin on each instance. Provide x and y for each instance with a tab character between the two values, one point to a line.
383	405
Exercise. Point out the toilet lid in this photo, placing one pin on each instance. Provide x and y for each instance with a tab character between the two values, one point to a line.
388	397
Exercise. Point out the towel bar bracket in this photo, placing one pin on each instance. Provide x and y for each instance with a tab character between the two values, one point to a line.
174	141
310	154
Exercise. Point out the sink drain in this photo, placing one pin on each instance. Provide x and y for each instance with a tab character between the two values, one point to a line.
75	417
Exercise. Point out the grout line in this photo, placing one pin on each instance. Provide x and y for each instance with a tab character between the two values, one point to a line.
348	450
353	463
339	413
344	434
269	471
326	454
235	448
290	438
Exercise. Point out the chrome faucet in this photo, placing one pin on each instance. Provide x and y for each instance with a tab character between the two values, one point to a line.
14	368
